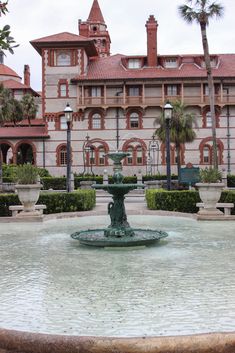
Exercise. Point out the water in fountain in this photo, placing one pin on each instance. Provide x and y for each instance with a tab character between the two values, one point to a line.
119	233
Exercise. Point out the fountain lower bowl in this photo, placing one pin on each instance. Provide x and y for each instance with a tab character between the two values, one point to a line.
141	237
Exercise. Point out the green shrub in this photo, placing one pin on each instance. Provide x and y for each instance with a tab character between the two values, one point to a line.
7	200
181	201
231	181
178	201
79	200
53	183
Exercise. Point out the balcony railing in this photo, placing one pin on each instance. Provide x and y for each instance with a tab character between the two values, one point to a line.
151	101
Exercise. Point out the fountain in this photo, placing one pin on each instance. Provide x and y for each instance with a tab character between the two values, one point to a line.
119	233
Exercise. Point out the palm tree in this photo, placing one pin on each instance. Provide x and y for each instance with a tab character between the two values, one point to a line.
29	107
181	128
201	11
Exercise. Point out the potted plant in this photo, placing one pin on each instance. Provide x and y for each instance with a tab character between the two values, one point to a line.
210	188
28	187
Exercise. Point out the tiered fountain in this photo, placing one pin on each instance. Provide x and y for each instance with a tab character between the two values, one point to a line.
119	233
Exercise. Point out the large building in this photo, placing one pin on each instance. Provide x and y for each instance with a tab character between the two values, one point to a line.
116	99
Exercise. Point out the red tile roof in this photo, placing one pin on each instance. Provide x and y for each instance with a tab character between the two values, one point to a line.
24	122
23	132
112	68
64	39
95	13
13	84
7	71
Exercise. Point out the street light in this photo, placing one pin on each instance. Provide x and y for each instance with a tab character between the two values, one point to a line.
68	112
168	115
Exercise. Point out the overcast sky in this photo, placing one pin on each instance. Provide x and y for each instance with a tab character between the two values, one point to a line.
32	19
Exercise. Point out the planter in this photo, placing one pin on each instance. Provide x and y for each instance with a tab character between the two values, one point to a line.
210	194
28	196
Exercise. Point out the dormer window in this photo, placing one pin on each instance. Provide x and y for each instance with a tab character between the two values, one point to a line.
170	63
134	63
64	58
213	62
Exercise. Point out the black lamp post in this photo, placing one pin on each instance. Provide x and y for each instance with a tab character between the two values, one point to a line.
68	112
168	115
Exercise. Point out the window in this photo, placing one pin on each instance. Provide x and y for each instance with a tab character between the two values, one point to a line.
63	58
206	90
63	156
96	121
208	119
92	155
95	91
206	155
62	88
134	121
130	157
171	63
101	155
63	123
134	63
139	155
171	90
134	91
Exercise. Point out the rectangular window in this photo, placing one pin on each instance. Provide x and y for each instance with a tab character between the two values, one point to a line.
171	90
95	91
171	63
134	91
134	63
63	90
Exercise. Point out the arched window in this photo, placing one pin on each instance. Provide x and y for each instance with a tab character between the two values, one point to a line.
63	156
63	58
206	151
136	153
96	121
134	121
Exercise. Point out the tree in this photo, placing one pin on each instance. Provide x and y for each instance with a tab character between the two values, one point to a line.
7	42
181	128
29	107
201	11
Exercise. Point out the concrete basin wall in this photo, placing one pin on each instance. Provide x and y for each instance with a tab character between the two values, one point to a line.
25	342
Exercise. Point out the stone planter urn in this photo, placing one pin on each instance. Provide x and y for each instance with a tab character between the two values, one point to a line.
210	194
28	195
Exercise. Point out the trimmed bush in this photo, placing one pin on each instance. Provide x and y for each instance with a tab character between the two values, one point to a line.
79	200
178	201
231	181
53	183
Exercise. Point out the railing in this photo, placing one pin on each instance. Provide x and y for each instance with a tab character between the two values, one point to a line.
152	101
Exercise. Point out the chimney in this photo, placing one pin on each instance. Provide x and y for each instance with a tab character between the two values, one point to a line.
151	26
27	75
83	29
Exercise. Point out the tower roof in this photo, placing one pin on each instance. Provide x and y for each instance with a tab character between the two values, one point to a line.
95	13
7	71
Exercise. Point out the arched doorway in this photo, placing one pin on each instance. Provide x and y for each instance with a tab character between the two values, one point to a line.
25	154
6	153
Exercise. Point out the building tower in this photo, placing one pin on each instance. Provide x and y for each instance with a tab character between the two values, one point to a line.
95	28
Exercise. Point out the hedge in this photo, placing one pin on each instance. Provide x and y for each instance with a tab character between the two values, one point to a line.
56	202
180	201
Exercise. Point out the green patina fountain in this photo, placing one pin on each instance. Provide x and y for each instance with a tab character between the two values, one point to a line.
118	233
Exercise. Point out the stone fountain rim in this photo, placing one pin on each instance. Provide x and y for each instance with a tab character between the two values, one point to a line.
14	341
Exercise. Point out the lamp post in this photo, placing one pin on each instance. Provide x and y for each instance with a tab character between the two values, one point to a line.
68	112
168	115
